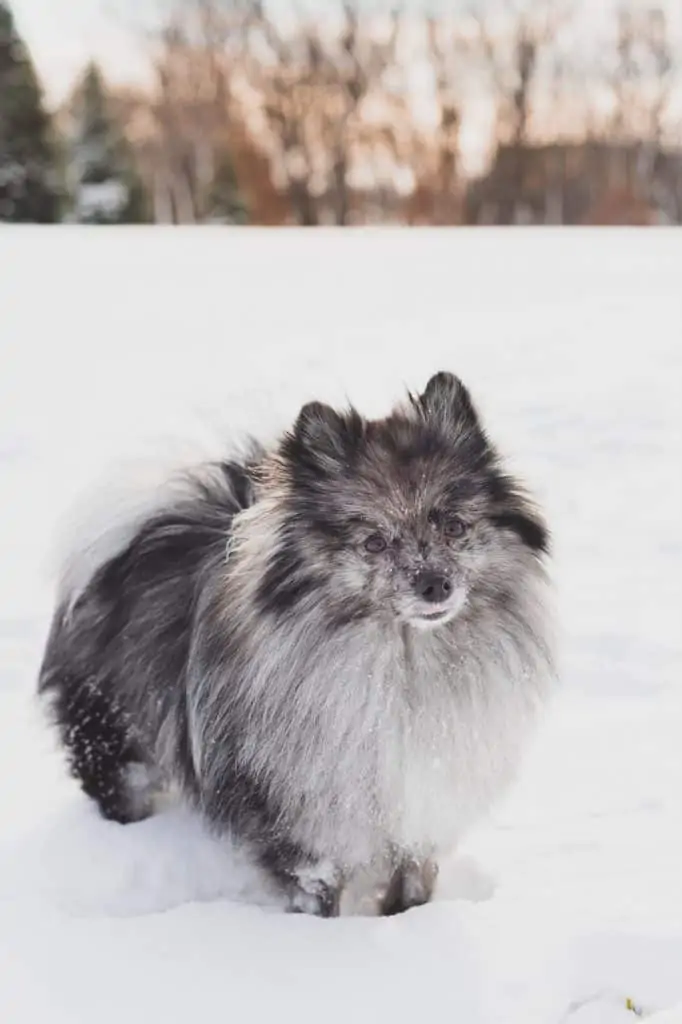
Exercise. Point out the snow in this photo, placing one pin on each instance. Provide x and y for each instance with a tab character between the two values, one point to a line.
566	906
104	199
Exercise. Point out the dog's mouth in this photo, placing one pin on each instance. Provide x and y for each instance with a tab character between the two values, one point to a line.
435	616
427	618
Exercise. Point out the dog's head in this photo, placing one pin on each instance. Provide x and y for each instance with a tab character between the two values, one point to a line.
410	517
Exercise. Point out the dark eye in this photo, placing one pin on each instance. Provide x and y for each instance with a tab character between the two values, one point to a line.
375	544
454	527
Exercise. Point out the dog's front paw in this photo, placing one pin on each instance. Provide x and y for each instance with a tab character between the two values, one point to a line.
316	889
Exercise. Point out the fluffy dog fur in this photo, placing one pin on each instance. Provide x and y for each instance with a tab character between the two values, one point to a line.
335	649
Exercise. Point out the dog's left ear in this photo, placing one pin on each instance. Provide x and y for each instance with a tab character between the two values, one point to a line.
446	402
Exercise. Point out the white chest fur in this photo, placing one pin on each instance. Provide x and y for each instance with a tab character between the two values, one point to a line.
380	737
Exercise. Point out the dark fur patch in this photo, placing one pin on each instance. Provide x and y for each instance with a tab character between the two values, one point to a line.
322	442
99	747
141	600
241	482
285	582
411	886
527	528
340	615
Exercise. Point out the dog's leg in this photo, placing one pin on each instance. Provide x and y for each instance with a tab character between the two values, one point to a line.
412	885
101	753
316	889
311	885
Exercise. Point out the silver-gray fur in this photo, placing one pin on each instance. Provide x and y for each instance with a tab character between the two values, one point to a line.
336	649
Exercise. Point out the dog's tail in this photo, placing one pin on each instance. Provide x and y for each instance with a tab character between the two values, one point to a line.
108	519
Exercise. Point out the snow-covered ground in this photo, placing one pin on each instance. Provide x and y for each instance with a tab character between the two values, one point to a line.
567	905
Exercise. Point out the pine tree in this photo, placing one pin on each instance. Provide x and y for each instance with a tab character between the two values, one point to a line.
103	183
28	168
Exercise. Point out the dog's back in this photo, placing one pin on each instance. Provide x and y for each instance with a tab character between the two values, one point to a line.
137	603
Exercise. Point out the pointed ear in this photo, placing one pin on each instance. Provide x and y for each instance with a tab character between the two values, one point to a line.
446	403
319	428
323	441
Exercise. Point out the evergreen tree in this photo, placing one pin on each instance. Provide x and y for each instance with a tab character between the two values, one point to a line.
104	185
28	170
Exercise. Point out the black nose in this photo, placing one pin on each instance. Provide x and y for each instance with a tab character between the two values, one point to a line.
432	587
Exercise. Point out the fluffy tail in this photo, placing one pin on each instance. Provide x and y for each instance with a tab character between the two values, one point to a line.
107	521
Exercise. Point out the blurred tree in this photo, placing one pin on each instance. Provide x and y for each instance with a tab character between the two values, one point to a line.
195	127
642	80
437	197
318	79
513	43
103	182
28	158
224	202
352	112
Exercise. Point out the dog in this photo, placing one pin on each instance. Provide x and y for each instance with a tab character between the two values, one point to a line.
335	648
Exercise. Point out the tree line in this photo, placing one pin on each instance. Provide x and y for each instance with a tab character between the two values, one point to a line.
350	113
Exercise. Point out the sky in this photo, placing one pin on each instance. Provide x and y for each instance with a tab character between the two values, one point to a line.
112	31
61	43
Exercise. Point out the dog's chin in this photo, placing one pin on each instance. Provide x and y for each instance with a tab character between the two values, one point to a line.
429	618
432	621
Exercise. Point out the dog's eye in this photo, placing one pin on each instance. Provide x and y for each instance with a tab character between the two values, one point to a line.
454	527
375	544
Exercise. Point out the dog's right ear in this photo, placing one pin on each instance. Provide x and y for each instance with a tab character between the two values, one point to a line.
323	440
320	429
